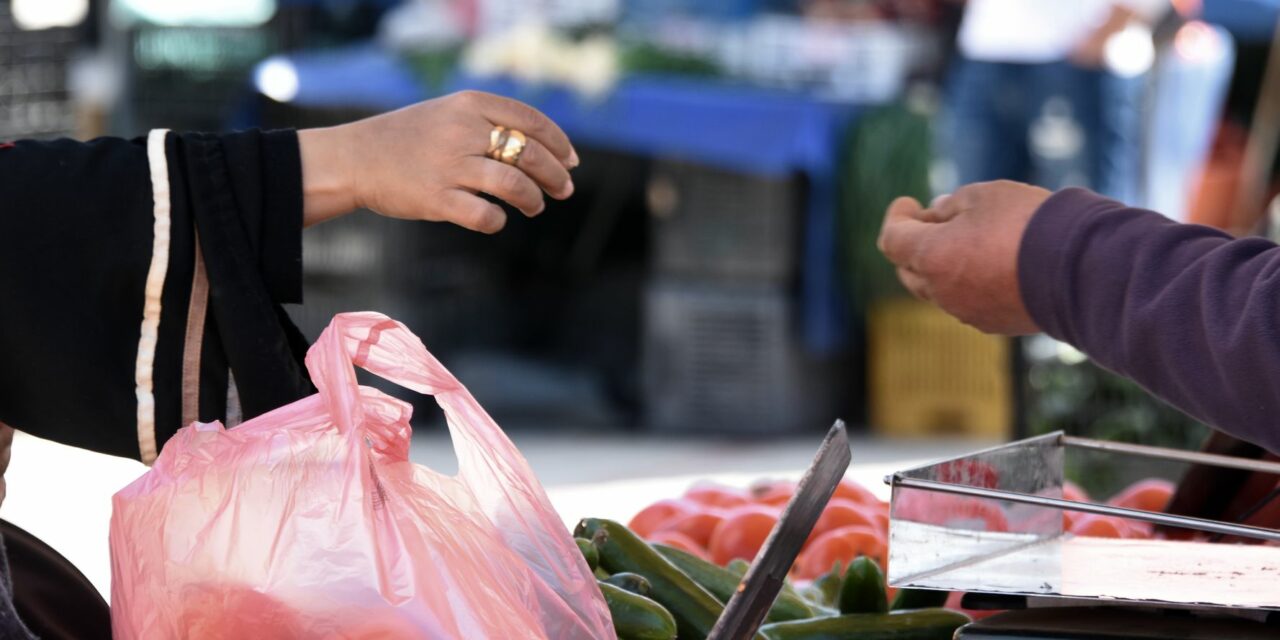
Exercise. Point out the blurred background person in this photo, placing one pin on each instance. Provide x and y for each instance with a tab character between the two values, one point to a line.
1049	92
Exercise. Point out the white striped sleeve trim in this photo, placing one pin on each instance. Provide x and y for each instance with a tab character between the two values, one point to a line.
144	371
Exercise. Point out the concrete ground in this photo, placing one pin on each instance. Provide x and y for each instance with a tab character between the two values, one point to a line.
571	458
63	495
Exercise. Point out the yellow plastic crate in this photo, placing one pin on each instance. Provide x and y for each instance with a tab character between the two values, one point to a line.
930	374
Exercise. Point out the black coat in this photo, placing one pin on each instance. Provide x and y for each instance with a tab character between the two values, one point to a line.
78	250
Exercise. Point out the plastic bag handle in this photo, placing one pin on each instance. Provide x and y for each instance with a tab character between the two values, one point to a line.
496	479
378	345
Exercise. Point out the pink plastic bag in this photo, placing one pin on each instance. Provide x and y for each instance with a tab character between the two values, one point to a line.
310	522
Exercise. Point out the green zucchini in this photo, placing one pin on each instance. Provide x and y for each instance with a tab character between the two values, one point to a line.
722	583
589	552
863	588
633	582
918	599
921	624
636	617
694	608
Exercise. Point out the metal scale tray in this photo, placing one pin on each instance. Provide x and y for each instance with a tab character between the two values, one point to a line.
991	522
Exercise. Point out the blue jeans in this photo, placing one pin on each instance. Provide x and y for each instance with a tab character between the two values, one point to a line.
1187	102
991	107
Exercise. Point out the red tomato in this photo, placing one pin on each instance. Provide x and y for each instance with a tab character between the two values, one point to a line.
223	612
881	513
776	493
1142	530
851	490
1152	494
1097	526
698	525
1072	491
954	511
969	472
681	542
843	513
658	514
716	496
839	545
742	533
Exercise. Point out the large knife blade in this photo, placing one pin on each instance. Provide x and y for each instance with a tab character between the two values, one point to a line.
759	588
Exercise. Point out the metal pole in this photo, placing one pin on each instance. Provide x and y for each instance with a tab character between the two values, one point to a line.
1199	524
1195	457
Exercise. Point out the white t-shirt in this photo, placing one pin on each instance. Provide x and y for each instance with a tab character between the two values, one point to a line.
1033	31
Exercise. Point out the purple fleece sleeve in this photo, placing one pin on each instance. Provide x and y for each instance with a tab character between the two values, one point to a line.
1185	310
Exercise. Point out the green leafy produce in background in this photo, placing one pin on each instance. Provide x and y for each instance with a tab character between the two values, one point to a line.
886	155
434	67
1075	395
644	57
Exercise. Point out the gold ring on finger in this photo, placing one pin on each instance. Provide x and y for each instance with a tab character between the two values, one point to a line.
513	147
497	141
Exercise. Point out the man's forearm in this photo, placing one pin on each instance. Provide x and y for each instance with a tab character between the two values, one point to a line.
1186	311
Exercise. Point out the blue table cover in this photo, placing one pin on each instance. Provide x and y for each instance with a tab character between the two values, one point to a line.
735	127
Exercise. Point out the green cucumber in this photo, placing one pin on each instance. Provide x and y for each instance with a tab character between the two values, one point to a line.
738	567
863	588
919	599
828	585
811	594
601	574
722	583
636	617
921	624
633	582
589	552
694	608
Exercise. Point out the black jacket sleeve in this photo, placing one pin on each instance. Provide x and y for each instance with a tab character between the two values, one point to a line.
78	247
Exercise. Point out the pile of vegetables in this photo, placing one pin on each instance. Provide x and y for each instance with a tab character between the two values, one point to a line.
1151	494
659	592
670	571
721	524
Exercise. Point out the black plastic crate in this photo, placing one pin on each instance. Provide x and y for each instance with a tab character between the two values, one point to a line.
726	359
712	223
424	256
34	101
192	77
438	278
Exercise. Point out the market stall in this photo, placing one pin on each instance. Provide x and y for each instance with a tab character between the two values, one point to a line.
747	220
730	126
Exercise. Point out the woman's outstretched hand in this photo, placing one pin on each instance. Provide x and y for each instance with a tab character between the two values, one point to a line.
428	162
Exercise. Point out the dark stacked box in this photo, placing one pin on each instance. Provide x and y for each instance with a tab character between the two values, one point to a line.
721	332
